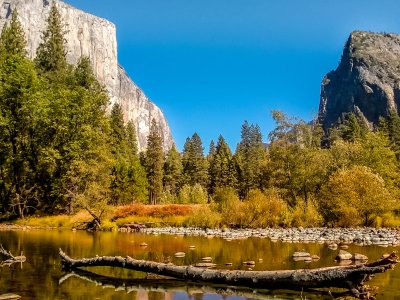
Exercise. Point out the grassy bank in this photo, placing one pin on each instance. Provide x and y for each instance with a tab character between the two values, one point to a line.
204	216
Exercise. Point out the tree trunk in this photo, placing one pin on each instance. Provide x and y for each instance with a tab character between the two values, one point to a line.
349	277
166	284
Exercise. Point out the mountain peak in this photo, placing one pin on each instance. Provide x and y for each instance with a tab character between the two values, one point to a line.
366	82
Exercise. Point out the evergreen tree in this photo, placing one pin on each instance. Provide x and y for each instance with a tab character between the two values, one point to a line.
128	177
173	172
51	53
132	139
194	163
154	163
352	128
211	151
222	169
393	124
249	156
118	133
13	40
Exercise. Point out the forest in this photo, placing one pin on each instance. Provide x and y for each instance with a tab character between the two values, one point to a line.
62	149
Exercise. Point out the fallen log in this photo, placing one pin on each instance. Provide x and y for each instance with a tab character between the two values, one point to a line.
350	277
166	284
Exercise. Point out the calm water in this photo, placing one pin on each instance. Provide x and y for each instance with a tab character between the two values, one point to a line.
41	276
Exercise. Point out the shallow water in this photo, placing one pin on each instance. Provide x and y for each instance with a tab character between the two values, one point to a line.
41	276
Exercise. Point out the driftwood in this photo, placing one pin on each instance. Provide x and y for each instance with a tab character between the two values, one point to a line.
11	258
92	225
150	284
350	277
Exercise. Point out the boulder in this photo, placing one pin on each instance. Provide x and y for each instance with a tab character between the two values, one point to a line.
344	255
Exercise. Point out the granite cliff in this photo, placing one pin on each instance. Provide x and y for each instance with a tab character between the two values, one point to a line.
91	36
366	82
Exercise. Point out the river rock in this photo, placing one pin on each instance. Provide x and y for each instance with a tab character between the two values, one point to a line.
360	257
143	244
344	255
9	297
249	263
207	259
333	246
180	254
301	254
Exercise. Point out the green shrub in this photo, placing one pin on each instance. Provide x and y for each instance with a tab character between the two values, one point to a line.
264	209
204	217
305	215
355	196
195	194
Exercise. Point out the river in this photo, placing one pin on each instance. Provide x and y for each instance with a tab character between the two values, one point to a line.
41	276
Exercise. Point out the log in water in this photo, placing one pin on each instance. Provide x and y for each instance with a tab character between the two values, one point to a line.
350	277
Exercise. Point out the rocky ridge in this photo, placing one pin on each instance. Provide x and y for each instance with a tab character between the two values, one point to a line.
88	35
366	82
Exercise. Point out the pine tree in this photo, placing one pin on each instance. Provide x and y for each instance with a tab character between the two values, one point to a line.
249	156
51	53
393	124
211	151
83	76
154	163
173	172
131	137
128	183
221	170
118	133
13	40
194	163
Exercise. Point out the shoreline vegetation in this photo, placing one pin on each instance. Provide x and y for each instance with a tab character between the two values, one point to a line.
181	220
69	158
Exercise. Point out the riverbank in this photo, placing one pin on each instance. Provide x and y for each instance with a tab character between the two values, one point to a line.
360	236
383	237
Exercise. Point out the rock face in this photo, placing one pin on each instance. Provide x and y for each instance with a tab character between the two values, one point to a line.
91	36
366	82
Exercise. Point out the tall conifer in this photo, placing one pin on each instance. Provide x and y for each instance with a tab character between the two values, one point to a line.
51	53
194	163
154	163
13	40
173	171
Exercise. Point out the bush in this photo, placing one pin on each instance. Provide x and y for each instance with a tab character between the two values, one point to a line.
227	203
305	215
355	196
258	210
204	217
264	209
388	220
193	194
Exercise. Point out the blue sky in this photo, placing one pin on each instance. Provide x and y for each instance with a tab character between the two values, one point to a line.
211	64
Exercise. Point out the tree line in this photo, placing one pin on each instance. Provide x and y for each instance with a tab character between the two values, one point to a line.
60	151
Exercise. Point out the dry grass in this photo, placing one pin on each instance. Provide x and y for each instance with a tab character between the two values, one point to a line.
153	211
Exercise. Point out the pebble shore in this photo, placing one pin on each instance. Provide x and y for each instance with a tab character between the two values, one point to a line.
359	236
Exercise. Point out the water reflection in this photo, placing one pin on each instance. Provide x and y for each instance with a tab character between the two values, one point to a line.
181	287
39	278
